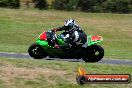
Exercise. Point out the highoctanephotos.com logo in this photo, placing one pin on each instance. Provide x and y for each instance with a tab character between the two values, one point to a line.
83	78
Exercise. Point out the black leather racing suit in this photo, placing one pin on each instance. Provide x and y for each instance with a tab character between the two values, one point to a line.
75	36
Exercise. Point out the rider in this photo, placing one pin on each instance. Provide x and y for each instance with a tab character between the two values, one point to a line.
74	34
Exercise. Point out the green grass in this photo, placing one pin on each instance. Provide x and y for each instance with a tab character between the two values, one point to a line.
29	73
19	29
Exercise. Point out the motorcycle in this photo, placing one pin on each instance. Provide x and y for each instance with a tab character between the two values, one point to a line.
43	48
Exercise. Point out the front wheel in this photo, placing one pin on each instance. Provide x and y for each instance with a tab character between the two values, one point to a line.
94	54
37	51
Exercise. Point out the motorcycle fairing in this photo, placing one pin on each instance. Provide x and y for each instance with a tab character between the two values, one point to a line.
90	39
94	39
43	36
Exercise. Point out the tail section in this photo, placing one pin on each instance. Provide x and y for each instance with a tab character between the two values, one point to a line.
94	39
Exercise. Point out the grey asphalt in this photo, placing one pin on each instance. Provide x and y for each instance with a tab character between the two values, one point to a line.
103	61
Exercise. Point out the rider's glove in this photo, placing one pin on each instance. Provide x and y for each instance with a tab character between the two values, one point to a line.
54	29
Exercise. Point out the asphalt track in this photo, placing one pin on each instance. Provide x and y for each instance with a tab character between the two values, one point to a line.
103	61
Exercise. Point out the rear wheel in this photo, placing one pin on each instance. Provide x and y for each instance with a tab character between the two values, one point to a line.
37	51
94	54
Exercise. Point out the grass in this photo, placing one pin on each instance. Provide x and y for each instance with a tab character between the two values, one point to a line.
20	27
29	73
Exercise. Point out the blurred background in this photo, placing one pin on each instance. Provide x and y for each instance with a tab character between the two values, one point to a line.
115	6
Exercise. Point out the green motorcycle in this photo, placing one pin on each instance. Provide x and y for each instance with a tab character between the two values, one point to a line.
42	48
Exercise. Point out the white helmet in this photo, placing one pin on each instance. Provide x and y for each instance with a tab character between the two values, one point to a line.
69	24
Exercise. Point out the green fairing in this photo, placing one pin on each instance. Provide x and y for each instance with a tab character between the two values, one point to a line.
45	45
90	42
60	41
51	50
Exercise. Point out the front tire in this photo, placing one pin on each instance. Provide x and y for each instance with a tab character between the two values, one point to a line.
37	51
95	54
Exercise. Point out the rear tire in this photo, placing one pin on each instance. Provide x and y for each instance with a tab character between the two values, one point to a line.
94	54
37	51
